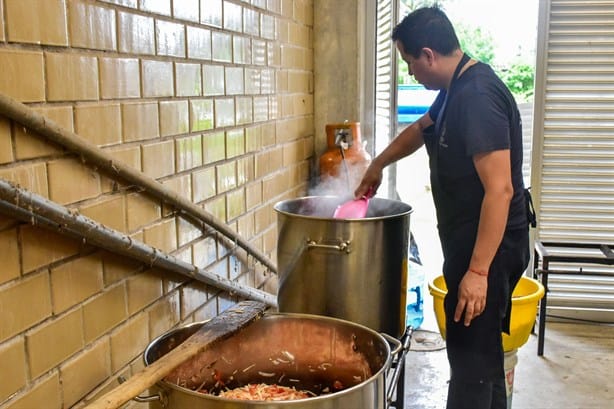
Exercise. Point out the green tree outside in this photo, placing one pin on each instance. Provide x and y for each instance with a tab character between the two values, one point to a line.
518	75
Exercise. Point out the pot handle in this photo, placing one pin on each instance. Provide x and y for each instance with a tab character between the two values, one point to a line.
397	344
343	245
161	396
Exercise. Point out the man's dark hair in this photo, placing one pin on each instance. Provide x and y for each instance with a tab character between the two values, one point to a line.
426	27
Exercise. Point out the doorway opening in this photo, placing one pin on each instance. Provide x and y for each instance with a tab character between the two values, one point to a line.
501	34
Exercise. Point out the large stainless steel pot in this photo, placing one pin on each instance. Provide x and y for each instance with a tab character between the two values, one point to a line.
353	269
304	351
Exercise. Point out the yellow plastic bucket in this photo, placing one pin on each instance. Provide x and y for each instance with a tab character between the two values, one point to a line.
525	298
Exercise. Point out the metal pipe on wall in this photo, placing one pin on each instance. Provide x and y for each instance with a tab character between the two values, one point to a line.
32	208
31	119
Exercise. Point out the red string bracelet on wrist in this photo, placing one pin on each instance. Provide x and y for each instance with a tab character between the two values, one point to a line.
480	273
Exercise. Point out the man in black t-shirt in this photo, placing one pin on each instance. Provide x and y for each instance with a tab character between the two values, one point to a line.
473	136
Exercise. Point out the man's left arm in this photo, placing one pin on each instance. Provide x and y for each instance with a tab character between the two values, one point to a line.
494	170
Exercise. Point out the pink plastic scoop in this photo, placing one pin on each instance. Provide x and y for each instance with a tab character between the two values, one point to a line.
353	209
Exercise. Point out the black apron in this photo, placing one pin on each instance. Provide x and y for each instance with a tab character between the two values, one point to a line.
475	352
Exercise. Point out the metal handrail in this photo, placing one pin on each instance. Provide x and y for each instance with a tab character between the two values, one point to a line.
101	160
32	208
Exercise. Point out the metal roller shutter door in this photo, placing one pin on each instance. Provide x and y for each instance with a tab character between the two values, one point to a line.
573	148
385	87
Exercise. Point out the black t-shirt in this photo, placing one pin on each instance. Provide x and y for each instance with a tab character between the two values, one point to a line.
481	116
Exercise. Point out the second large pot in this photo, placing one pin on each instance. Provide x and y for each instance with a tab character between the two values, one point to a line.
319	354
353	269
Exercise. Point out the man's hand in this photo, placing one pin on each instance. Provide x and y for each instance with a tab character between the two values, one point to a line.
471	297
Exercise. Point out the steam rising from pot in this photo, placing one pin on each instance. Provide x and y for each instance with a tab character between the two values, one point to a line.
340	186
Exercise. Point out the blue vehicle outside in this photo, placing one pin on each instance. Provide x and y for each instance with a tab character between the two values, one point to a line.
413	101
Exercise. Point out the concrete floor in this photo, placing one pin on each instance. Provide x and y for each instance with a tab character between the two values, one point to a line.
577	369
576	372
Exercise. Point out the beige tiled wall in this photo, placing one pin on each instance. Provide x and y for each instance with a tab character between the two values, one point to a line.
213	98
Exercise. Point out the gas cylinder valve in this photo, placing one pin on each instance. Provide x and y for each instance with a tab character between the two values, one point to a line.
342	138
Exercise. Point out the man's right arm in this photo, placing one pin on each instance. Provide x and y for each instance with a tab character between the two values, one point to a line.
405	143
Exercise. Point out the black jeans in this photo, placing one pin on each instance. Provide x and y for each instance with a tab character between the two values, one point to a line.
477	395
475	353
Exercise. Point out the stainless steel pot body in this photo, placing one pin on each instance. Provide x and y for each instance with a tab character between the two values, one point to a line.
304	351
353	269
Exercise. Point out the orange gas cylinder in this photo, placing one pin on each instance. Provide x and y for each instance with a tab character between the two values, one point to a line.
345	156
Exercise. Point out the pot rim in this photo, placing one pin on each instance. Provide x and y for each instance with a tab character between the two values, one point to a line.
380	372
341	199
